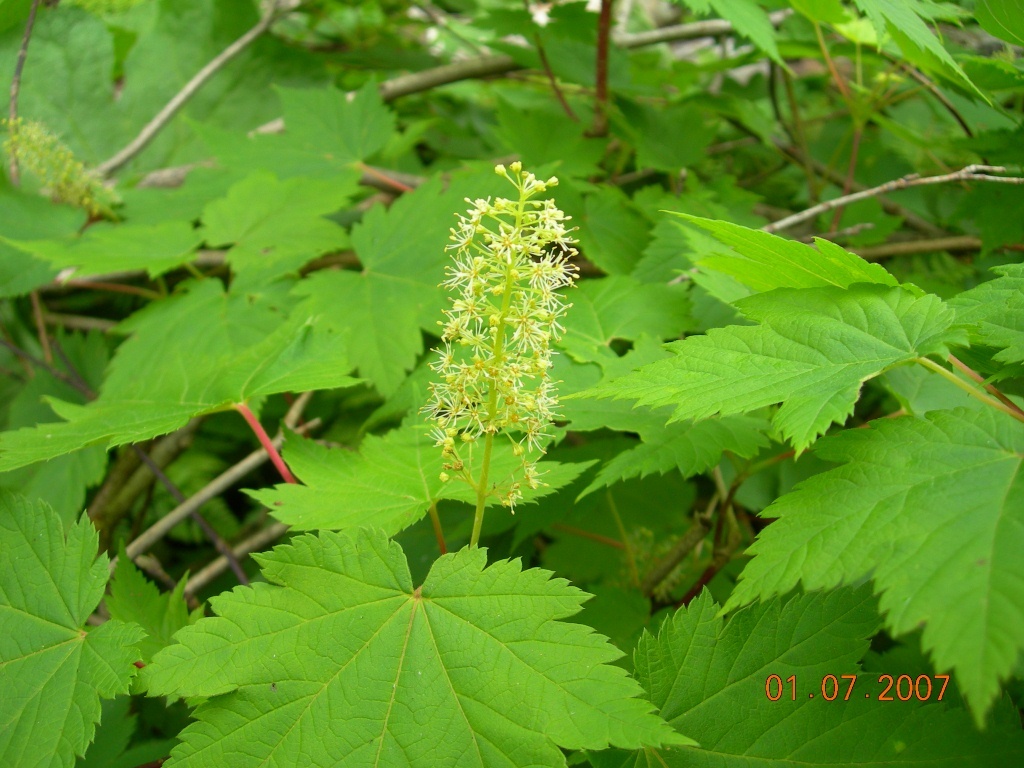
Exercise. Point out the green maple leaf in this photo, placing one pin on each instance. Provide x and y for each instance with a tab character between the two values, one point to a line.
275	227
246	347
907	23
690	448
326	134
700	671
749	19
763	261
389	484
133	598
933	509
103	248
995	310
381	309
54	672
620	307
812	352
340	660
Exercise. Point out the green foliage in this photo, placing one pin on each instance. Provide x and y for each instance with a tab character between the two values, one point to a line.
389	484
951	566
347	617
49	584
789	427
812	351
699	671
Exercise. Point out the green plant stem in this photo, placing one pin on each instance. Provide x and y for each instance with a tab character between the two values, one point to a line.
975	376
266	442
498	352
687	543
970	390
630	556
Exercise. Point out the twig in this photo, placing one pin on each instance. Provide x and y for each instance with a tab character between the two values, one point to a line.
12	110
851	172
201	521
550	73
37	315
30	358
489	66
969	173
606	540
78	322
939	95
133	290
604	32
910	247
634	573
992	389
214	488
977	394
164	451
250	544
893	209
691	31
800	136
164	116
687	543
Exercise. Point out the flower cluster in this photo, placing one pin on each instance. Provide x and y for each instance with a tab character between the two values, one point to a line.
60	175
511	257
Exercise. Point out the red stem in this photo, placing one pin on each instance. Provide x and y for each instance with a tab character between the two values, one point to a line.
266	442
604	32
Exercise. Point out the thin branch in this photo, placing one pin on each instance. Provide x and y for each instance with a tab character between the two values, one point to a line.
688	542
250	544
78	322
911	247
604	33
12	110
111	510
992	390
893	209
574	531
939	95
30	358
201	521
214	488
37	315
165	115
550	73
969	173
977	394
634	573
851	173
489	66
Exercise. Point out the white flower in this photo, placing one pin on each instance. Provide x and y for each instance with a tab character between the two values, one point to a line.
511	257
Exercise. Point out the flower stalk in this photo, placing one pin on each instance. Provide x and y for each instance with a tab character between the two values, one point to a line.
511	258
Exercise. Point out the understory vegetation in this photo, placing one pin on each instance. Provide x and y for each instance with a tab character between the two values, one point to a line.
500	383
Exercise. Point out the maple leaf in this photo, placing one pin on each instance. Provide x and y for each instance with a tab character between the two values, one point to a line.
812	352
933	509
339	659
54	672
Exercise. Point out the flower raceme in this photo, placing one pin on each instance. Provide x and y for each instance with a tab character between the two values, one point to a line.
511	257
